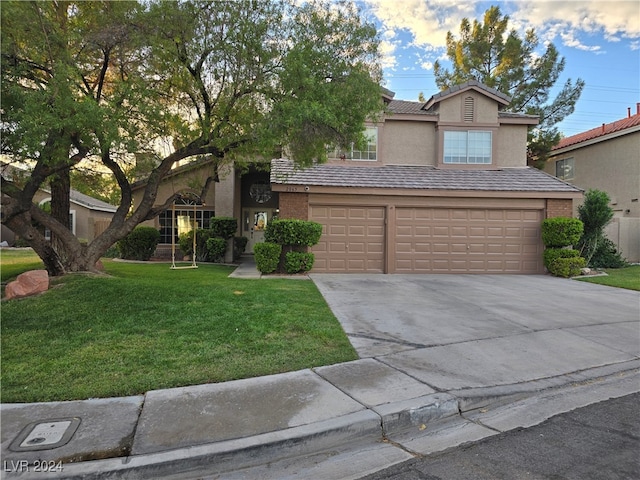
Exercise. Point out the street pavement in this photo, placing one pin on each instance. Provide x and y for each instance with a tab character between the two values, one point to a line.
598	442
444	360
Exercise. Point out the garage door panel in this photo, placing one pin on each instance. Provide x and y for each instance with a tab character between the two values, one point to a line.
354	238
467	239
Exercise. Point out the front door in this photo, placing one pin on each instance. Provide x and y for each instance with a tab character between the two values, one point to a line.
254	221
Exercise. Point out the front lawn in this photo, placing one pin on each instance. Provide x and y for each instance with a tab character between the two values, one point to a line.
628	277
14	261
147	327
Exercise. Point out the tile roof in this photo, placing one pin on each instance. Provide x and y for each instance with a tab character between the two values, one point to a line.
404	106
604	129
418	177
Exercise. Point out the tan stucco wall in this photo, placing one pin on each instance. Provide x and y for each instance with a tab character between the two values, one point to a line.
510	146
486	110
407	143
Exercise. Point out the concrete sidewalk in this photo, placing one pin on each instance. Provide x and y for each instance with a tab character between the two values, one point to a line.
347	420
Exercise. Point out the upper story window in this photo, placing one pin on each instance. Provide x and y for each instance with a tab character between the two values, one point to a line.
565	169
468	147
370	153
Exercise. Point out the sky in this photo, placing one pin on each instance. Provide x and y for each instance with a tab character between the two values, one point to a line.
599	39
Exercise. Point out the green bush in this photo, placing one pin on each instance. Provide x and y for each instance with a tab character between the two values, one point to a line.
561	231
551	254
595	213
267	256
185	241
567	267
239	246
140	244
223	227
293	232
216	248
296	262
607	255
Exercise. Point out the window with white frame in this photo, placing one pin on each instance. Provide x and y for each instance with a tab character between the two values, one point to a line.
468	147
183	222
565	169
370	153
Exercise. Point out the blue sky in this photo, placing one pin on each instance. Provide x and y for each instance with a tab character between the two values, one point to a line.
600	41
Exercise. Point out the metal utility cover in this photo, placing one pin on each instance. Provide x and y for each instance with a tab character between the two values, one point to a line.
45	435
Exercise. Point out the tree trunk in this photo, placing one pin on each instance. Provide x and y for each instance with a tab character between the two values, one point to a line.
60	209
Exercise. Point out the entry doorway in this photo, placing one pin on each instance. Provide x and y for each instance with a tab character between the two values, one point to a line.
254	224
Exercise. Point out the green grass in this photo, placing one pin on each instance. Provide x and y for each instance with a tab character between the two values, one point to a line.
628	277
147	327
13	262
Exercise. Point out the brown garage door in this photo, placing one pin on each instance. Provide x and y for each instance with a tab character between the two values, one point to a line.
467	240
352	239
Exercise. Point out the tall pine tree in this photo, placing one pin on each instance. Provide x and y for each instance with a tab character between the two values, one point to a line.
485	52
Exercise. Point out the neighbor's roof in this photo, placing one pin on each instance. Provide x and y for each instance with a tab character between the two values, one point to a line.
604	129
90	202
418	177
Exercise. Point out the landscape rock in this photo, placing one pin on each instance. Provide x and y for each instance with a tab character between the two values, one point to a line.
585	271
28	283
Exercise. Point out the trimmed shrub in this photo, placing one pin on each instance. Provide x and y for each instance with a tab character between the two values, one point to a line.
140	244
567	267
607	255
216	248
293	232
223	227
595	213
561	231
267	256
239	246
552	254
296	262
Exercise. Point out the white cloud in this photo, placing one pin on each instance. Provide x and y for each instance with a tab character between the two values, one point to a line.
614	20
428	21
387	50
570	40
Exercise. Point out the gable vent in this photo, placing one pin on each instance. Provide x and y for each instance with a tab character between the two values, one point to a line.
468	109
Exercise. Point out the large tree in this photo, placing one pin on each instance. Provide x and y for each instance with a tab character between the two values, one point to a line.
489	53
99	84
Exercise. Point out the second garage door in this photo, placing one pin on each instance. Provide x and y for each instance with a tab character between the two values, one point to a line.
467	240
352	239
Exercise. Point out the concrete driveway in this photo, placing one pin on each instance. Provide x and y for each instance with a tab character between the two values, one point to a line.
387	314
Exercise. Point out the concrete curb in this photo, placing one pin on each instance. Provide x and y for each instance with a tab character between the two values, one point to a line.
409	419
228	455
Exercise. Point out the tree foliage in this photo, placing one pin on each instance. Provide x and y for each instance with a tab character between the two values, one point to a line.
488	52
595	213
97	85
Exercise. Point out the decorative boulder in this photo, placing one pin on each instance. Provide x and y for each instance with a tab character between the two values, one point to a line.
28	283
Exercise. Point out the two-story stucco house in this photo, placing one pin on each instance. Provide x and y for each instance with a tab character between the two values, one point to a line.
607	158
442	187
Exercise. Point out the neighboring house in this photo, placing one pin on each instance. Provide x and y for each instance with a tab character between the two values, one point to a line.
607	158
442	187
88	216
